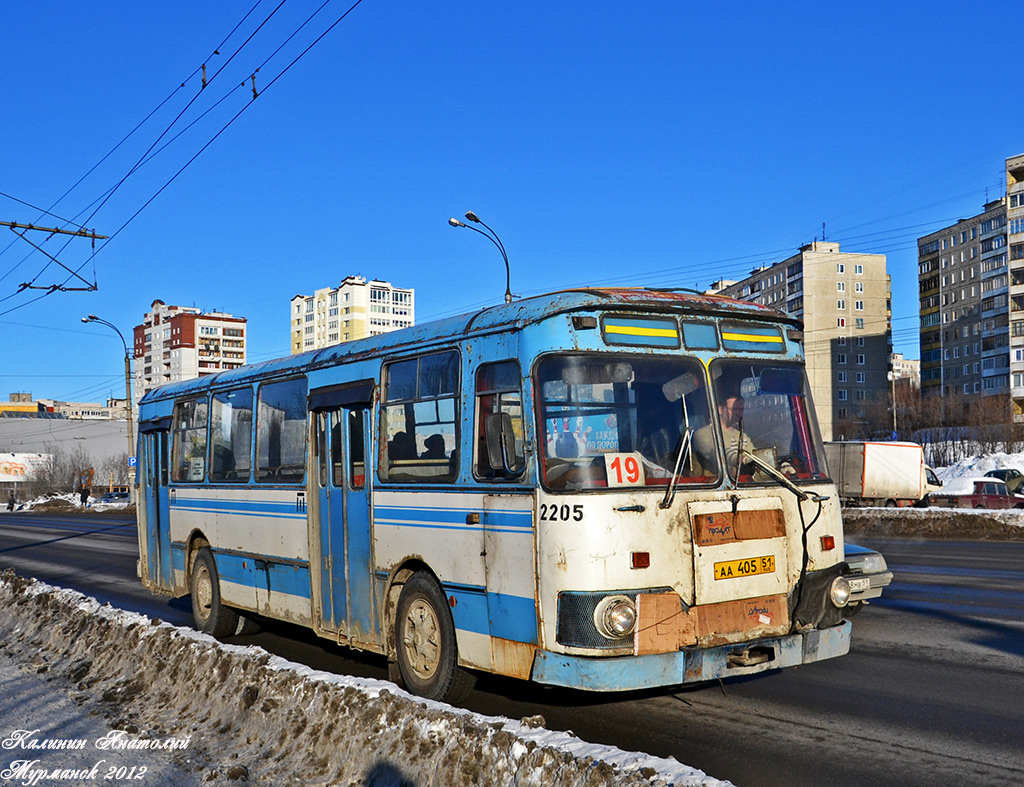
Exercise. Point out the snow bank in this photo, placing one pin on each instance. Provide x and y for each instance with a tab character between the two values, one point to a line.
975	525
70	501
956	477
249	715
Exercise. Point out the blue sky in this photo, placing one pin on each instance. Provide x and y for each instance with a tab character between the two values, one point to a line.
658	143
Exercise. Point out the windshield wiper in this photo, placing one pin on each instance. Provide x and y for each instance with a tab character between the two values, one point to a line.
670	491
781	478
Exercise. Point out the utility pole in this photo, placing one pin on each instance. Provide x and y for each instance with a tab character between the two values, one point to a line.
80	233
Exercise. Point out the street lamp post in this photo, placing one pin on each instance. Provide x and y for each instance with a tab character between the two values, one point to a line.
492	236
892	379
127	393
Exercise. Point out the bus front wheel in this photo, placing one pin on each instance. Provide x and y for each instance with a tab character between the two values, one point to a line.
209	614
425	643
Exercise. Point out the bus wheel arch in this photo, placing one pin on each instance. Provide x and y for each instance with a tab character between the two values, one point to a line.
209	614
400	574
196	541
422	647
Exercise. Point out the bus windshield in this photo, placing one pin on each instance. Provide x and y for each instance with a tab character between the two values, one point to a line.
765	417
620	421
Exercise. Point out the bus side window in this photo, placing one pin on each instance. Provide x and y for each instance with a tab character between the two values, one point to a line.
188	453
356	459
418	426
231	435
281	431
499	390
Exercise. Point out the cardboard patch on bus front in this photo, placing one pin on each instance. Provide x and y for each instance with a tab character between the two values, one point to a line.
724	527
662	625
715	622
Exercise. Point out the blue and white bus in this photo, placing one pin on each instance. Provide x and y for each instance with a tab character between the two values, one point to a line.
605	489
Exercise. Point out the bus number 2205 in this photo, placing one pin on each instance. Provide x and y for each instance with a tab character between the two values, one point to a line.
553	512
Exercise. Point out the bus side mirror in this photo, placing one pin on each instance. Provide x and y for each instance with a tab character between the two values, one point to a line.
501	441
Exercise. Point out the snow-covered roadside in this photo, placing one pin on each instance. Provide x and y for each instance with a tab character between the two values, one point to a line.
70	501
36	712
956	478
981	524
246	714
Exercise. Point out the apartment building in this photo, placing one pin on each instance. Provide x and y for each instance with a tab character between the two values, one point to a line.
907	369
354	309
182	342
963	287
971	283
844	301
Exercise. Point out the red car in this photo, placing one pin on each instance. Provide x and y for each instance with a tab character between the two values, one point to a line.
985	493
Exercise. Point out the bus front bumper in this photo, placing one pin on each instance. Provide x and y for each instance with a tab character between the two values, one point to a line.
691	665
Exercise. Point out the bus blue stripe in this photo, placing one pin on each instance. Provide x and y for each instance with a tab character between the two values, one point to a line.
522	520
423	525
260	508
289	579
495	614
513	617
446	526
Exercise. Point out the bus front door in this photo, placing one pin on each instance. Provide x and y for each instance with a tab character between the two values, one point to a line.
158	530
346	554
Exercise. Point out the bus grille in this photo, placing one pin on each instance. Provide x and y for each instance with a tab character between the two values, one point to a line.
575	627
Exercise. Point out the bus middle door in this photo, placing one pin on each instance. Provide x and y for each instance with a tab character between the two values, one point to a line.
154	486
346	557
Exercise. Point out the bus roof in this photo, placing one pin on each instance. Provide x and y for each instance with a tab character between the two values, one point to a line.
503	317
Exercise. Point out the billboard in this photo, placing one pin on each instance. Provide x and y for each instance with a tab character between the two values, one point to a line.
19	467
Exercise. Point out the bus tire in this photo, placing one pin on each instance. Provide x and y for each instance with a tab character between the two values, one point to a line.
247	626
209	614
427	653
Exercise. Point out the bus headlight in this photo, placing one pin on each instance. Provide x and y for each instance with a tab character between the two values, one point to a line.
615	617
839	592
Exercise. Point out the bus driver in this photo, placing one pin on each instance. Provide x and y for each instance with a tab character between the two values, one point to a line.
730	414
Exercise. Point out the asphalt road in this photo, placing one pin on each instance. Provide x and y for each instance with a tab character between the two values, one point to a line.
931	693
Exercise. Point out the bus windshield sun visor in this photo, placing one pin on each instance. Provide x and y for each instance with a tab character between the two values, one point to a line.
349	394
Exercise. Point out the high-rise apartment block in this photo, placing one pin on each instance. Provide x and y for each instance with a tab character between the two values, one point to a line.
181	342
907	369
971	289
844	302
354	309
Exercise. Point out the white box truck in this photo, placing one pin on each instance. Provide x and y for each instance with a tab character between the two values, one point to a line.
880	474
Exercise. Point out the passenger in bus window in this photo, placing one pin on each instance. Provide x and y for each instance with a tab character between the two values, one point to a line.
401	447
434	446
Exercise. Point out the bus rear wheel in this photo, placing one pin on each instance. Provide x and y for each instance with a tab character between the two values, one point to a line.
210	615
425	643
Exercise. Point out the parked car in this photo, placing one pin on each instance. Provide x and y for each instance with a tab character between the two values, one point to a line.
113	497
1010	475
984	492
869	574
